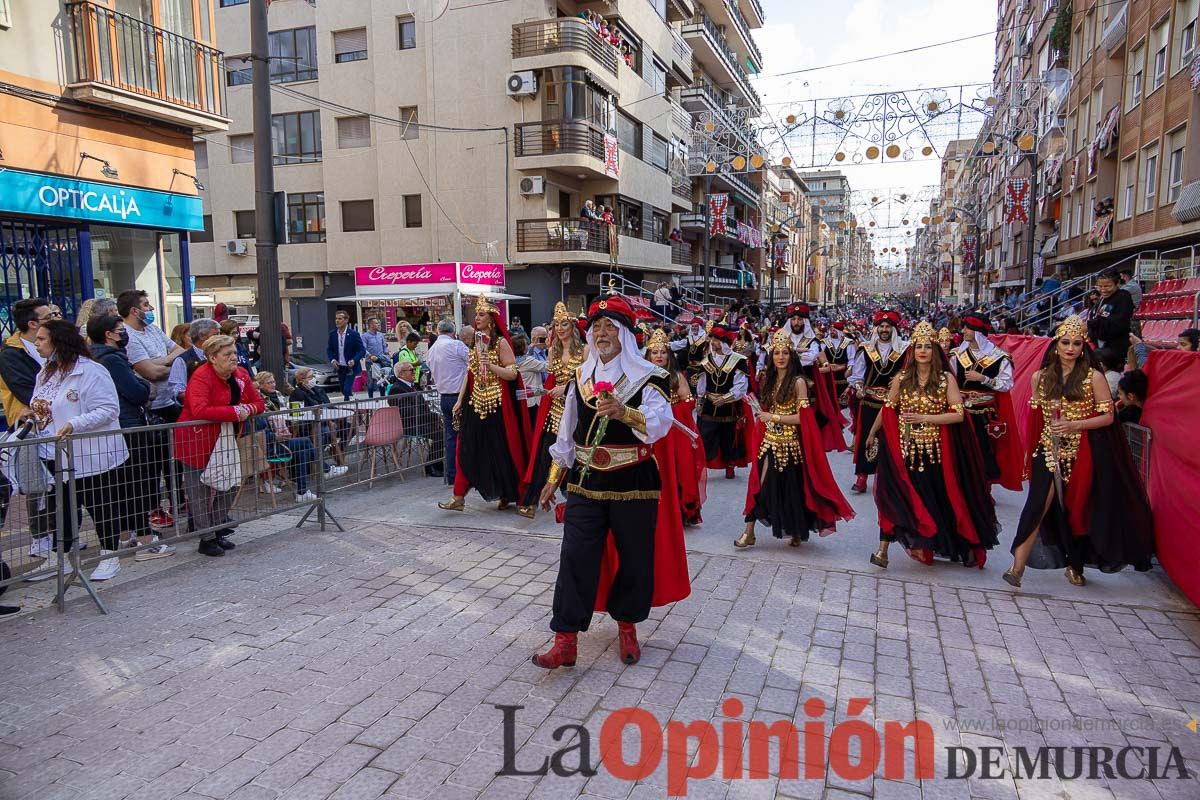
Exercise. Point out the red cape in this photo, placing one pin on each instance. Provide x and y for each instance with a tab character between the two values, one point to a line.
535	436
671	580
821	493
690	468
1009	454
516	430
825	400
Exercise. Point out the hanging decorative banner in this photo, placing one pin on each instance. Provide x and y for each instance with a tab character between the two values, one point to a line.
1039	266
756	237
969	246
779	257
1016	200
1196	75
717	205
743	233
612	156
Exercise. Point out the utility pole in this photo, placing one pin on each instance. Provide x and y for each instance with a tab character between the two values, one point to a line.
707	230
1033	190
270	311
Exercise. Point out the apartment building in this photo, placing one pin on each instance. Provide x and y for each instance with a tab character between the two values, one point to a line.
99	103
829	197
788	215
478	137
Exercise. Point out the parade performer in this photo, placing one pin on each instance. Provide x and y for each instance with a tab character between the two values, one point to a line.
931	491
791	487
691	469
567	352
985	377
724	416
1086	502
493	424
839	351
622	548
875	364
692	349
820	379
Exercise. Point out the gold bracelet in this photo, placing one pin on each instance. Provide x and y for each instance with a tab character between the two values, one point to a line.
634	419
556	473
957	408
775	419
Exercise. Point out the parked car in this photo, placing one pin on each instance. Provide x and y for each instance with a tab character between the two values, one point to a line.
246	322
326	374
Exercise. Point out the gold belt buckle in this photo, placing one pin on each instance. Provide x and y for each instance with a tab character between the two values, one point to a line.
607	459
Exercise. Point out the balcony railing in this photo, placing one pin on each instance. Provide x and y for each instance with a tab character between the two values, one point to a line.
681	254
559	137
123	52
1114	31
743	27
758	7
682	49
561	235
681	117
681	186
562	35
703	23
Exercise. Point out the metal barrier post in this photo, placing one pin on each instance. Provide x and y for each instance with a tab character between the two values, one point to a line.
64	454
174	493
56	534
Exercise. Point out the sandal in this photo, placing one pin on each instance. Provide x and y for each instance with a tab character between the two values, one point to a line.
1075	578
745	540
879	560
526	511
795	542
453	504
1013	577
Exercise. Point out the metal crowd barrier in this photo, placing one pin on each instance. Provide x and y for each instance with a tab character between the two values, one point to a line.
128	493
1140	439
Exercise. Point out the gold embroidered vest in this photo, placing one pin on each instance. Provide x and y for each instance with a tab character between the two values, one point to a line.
783	441
921	443
486	388
563	370
1068	443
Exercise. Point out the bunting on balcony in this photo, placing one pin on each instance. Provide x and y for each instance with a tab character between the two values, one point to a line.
743	233
970	245
779	255
717	206
612	156
1016	200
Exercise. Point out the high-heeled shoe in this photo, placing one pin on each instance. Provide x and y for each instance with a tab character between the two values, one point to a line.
453	504
879	559
745	540
1013	577
1075	578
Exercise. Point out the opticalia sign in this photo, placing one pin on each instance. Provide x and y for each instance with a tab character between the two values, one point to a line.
53	196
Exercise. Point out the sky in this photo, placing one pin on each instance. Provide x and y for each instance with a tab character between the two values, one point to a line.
801	34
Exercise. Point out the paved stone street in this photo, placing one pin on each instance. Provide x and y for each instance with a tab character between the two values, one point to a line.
369	663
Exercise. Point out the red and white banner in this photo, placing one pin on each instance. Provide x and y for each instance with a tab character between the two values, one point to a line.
779	255
612	156
969	248
718	204
1016	200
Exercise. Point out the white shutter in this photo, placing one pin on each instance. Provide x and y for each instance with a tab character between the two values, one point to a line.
201	149
354	131
352	41
241	148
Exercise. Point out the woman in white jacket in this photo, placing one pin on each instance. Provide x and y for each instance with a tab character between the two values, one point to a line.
75	395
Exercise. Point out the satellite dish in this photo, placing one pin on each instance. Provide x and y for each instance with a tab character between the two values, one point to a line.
428	10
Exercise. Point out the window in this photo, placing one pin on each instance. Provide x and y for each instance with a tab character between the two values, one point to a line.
1149	178
350	45
412	210
241	148
228	3
358	215
296	138
306	217
629	134
205	235
656	151
238	71
409	119
293	55
1185	38
1175	152
5	15
1089	28
243	224
1066	225
407	29
1137	71
1159	38
354	132
1077	216
200	148
1128	188
656	76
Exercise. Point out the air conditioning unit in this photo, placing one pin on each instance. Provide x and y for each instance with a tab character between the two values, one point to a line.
522	84
237	247
533	186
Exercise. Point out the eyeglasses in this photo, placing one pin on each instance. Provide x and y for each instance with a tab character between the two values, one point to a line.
50	316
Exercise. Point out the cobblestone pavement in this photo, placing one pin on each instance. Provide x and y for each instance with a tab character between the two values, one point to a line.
369	663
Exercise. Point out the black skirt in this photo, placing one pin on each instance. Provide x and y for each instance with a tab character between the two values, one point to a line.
483	455
541	468
780	503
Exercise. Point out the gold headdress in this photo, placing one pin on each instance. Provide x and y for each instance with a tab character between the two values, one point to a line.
485	306
944	337
781	340
1071	326
657	339
561	314
922	334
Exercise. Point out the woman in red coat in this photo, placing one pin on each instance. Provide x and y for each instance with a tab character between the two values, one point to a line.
219	393
691	469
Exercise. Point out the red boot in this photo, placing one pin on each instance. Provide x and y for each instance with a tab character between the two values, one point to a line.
729	472
627	642
860	485
562	654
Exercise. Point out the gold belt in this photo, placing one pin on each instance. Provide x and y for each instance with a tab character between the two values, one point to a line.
977	399
610	459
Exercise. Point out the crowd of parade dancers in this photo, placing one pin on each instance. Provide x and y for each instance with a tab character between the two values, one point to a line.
636	416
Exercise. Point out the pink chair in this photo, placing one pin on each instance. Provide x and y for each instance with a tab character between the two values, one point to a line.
385	429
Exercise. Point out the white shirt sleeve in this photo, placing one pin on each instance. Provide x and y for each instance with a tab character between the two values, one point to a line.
702	386
177	380
563	449
657	412
678	344
1003	381
741	385
858	368
809	356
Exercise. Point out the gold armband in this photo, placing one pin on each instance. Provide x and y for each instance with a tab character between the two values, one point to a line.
556	473
634	419
957	408
1104	407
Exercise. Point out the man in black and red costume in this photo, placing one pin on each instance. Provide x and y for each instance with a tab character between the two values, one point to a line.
622	547
820	380
876	363
985	377
724	382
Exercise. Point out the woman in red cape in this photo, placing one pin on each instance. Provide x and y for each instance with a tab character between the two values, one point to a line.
1102	516
691	471
567	352
826	403
932	491
791	487
494	428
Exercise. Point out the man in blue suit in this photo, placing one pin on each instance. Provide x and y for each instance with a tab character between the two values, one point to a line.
345	352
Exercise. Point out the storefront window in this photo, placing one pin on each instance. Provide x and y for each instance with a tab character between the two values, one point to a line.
136	258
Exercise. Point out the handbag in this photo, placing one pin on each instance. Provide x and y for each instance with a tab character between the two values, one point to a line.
224	469
21	464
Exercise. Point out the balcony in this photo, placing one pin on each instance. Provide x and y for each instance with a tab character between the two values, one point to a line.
681	254
730	16
703	96
681	54
565	41
711	48
131	66
571	145
753	10
1114	31
568	235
